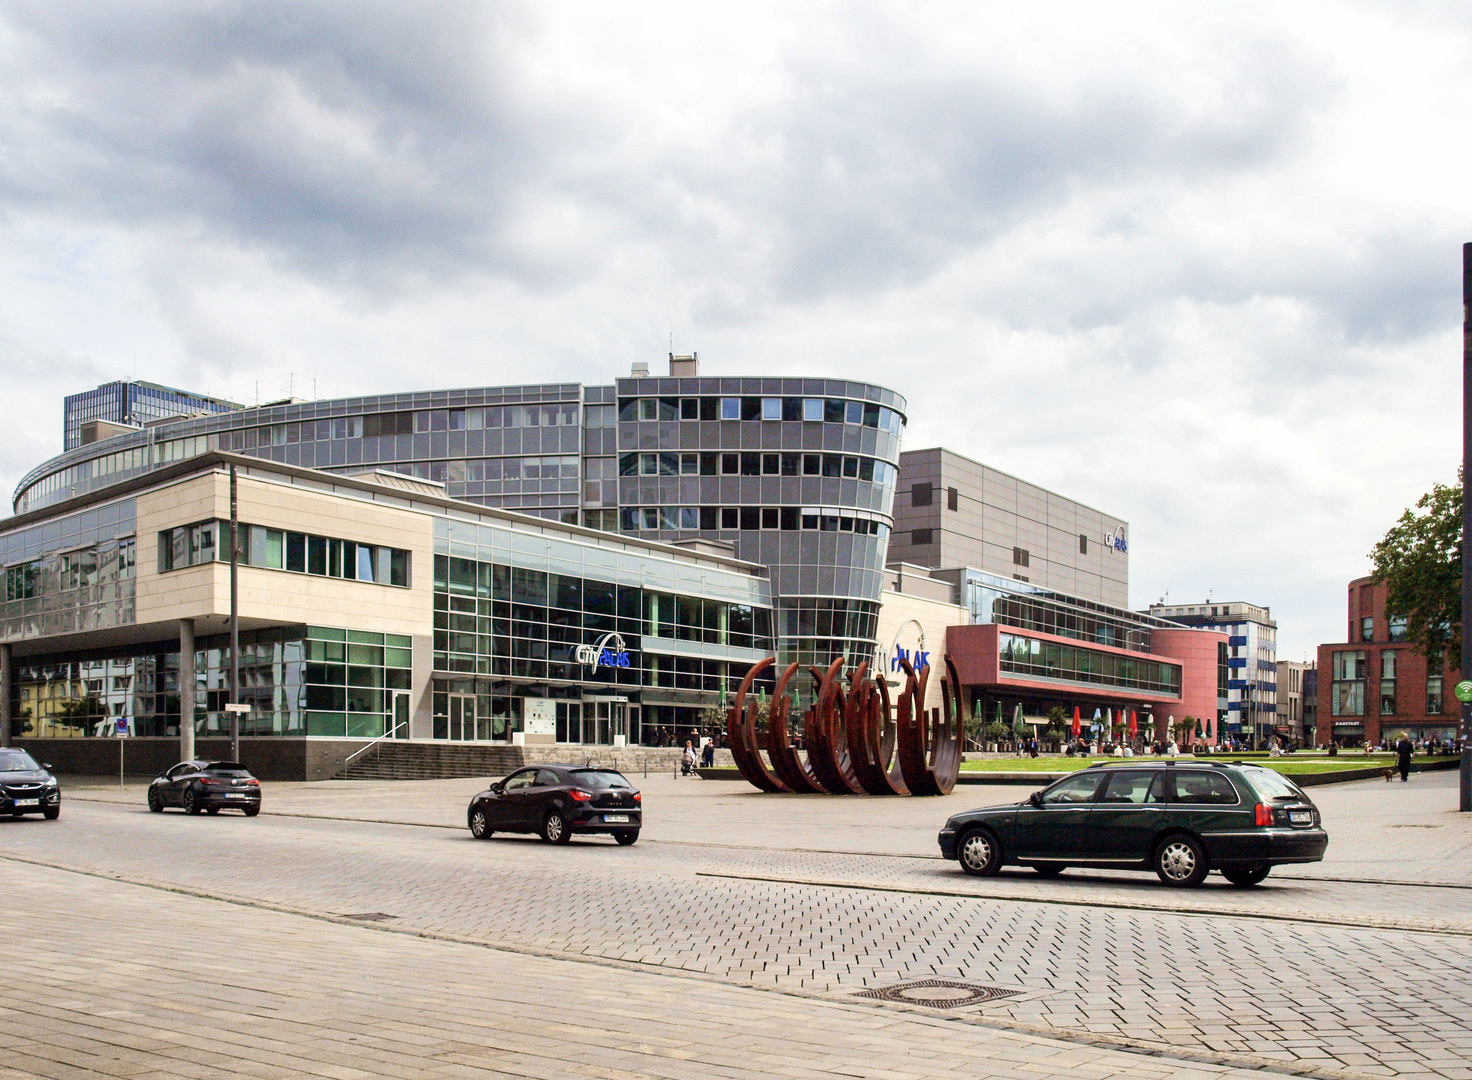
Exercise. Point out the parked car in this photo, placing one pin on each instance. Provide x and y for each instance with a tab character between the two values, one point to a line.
1179	819
26	787
210	786
557	801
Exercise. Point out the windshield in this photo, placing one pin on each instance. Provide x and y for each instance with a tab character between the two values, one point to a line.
1273	785
600	778
17	761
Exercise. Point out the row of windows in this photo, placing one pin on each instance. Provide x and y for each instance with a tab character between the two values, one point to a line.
745	519
806	410
100	564
1350	672
277	549
1030	656
140	457
754	463
462	586
1396	629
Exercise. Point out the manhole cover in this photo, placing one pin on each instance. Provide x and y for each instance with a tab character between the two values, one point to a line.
938	993
368	916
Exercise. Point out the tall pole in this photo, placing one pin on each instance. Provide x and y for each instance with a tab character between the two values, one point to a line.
1466	658
188	683
234	620
5	681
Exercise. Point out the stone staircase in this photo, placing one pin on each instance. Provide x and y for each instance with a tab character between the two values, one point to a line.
394	759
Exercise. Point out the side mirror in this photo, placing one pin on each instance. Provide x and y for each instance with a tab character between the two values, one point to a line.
499	786
1036	799
47	766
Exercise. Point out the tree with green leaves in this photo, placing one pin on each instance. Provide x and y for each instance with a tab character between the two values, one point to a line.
1420	562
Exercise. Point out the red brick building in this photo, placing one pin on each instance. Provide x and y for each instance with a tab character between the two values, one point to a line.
1375	684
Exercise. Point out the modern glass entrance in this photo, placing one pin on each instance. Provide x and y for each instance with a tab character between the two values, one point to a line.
398	714
609	720
462	716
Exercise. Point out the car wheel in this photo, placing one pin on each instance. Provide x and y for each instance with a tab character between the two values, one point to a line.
626	838
480	823
52	813
251	811
1049	871
189	802
154	803
979	853
1180	862
1245	878
554	828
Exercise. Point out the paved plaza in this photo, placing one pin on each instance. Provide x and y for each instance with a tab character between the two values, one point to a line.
357	930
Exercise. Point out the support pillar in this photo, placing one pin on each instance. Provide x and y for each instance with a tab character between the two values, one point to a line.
6	688
187	682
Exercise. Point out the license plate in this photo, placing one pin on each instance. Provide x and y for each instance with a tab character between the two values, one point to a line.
616	818
234	795
1301	817
27	802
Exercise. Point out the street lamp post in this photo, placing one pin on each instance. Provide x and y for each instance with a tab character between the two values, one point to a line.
1466	658
234	622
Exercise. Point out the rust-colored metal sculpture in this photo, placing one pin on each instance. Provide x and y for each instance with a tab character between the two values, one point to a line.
856	742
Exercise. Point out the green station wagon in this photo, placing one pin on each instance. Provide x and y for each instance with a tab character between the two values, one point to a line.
1179	819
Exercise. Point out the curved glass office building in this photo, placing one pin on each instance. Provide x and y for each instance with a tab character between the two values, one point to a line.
795	474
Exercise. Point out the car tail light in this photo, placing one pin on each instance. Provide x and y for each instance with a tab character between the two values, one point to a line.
580	796
638	798
252	783
1263	815
207	782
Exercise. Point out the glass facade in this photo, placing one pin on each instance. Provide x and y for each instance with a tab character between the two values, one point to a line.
279	549
297	680
1087	667
1347	689
70	574
132	403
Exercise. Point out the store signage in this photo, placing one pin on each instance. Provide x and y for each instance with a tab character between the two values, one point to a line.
1116	540
1463	691
918	658
609	652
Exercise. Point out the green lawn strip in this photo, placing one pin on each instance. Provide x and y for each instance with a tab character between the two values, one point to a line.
1288	765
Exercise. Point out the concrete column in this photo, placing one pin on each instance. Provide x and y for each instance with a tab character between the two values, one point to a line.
5	691
186	689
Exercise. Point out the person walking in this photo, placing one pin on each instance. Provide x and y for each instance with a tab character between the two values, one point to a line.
1403	753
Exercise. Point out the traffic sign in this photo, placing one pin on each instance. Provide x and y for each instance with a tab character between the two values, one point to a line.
236	706
1463	690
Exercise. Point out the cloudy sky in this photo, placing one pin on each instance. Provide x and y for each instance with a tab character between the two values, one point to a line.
1196	266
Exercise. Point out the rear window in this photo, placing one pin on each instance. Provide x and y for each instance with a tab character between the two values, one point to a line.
599	778
226	768
1204	788
1272	785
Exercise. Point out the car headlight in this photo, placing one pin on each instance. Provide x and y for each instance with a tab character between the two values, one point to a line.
53	782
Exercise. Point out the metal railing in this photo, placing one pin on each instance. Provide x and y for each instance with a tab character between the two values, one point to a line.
390	733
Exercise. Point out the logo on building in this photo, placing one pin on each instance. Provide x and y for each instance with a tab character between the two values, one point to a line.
1116	540
609	652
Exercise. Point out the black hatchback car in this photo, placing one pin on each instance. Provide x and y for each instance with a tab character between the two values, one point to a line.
1181	820
210	786
26	787
556	801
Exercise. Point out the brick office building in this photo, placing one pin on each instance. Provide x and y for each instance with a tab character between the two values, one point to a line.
1375	684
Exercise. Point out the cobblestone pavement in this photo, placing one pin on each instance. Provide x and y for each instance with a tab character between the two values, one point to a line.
120	981
1227	988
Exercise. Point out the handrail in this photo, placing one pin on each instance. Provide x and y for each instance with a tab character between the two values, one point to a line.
363	749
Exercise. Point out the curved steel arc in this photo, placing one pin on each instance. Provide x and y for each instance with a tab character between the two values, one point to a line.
827	752
789	768
864	724
741	734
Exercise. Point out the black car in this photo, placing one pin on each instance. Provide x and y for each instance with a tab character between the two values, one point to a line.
27	788
556	801
210	786
1181	820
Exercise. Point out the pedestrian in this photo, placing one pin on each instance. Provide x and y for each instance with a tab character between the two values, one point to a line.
1403	752
687	761
708	754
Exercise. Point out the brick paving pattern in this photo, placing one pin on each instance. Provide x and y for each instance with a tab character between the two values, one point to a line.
1371	1001
120	981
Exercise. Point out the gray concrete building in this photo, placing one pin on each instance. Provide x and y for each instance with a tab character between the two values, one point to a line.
950	511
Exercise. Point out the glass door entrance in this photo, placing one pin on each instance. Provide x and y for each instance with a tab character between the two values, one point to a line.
605	718
398	714
462	716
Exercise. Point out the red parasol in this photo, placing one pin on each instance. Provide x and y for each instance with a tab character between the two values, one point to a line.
1134	724
1077	723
